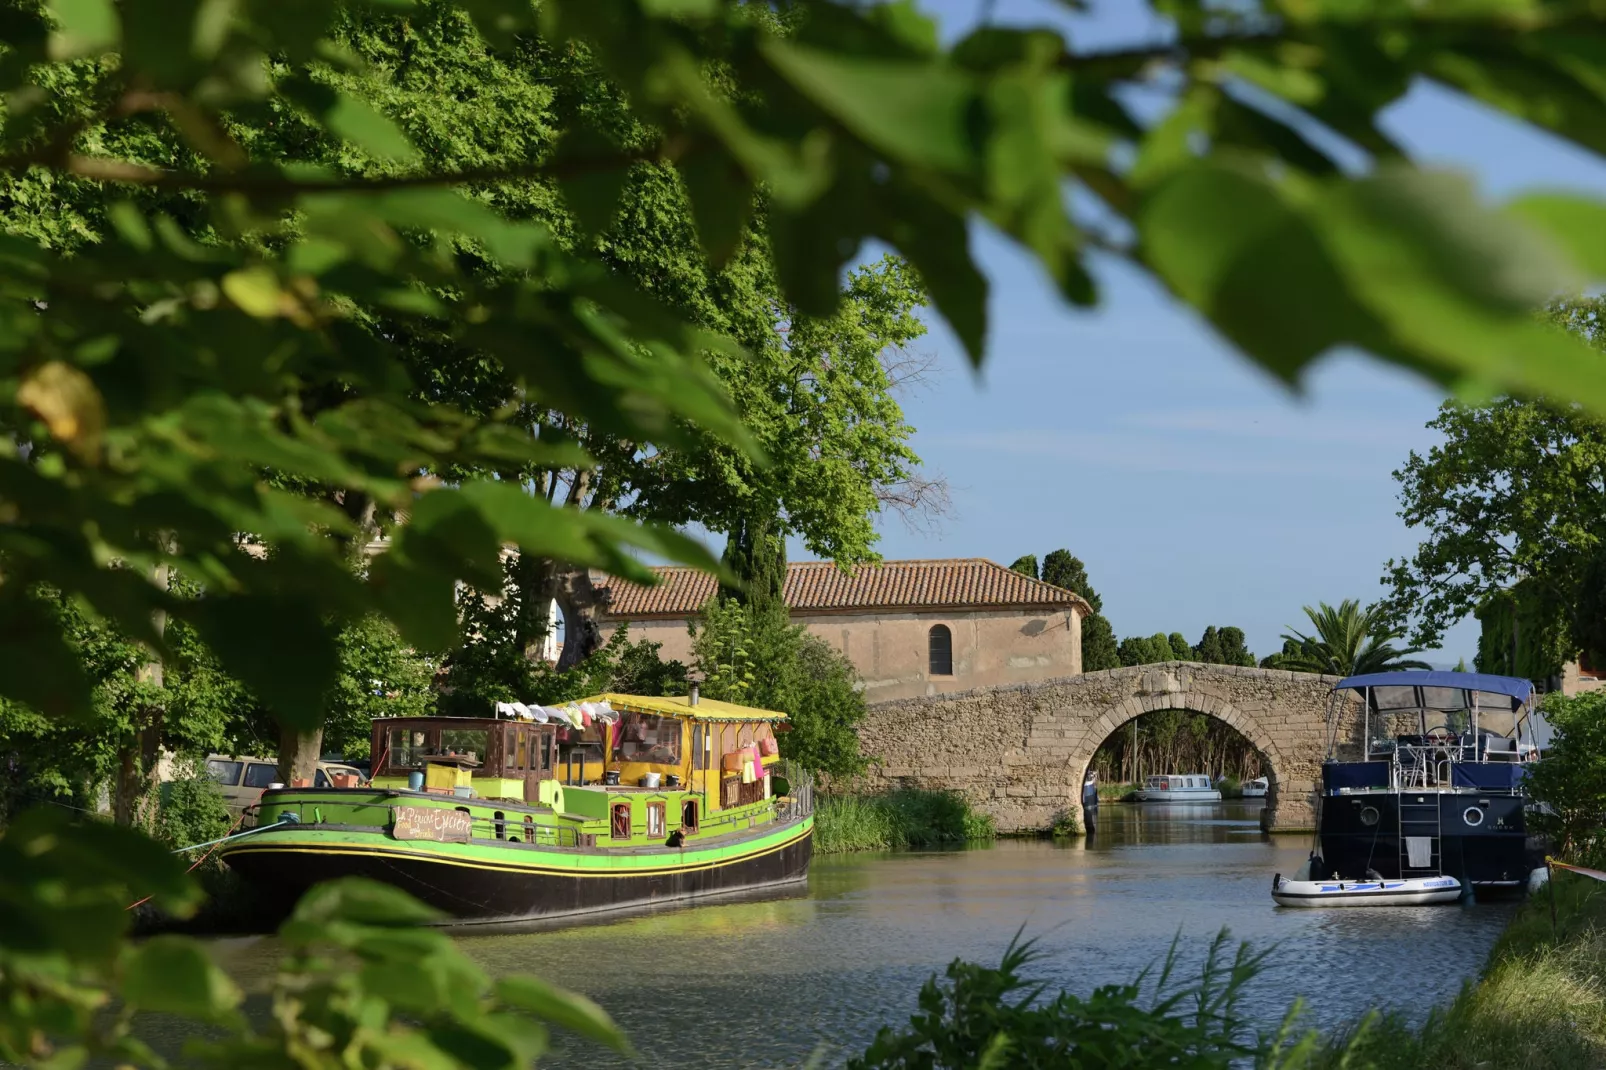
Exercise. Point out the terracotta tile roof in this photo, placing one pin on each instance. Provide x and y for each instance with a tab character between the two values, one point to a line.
819	586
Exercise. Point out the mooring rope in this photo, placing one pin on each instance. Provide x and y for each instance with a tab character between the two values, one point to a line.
285	818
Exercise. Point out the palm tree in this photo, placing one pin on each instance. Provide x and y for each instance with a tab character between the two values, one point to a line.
1348	641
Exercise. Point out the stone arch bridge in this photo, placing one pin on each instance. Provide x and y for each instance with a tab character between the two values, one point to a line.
1019	752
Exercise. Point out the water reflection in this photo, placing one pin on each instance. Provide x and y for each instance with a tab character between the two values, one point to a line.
764	983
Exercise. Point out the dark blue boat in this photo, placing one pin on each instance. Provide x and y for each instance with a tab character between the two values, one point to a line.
1424	777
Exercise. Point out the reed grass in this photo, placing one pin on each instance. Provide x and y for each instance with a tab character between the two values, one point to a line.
896	820
1541	1002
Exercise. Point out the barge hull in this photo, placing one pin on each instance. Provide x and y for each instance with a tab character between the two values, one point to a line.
481	888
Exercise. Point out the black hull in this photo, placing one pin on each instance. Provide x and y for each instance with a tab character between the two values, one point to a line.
475	895
1492	853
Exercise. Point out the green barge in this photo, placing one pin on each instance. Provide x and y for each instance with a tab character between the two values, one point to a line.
628	802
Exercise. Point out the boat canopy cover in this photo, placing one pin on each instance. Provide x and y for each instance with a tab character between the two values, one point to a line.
707	709
1512	687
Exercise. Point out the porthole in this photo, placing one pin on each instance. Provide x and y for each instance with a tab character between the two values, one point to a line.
1369	816
1472	816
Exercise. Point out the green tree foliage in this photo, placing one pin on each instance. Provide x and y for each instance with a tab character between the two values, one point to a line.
1026	566
1512	505
1137	650
1065	570
755	656
1099	648
491	664
1346	640
1223	646
755	557
1523	634
1571	780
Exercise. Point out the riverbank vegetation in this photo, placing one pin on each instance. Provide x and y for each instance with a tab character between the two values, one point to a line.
897	819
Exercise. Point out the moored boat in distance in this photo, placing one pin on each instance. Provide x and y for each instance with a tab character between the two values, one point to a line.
614	802
1178	787
1256	788
1418	891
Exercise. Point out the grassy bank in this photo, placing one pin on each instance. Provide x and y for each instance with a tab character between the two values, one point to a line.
1540	1004
897	819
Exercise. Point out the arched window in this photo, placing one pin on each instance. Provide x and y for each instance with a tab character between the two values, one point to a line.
940	649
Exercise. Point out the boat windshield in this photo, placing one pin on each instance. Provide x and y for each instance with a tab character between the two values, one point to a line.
1462	711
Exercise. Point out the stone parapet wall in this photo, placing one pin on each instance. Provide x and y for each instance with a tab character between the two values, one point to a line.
1019	752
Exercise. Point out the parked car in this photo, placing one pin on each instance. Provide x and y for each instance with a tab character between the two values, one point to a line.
242	778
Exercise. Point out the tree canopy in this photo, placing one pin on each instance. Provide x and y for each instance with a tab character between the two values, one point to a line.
1512	506
1346	640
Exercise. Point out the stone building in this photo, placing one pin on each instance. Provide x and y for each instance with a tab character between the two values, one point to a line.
911	628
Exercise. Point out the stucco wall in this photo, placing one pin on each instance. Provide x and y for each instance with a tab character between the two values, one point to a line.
1574	682
1019	752
890	650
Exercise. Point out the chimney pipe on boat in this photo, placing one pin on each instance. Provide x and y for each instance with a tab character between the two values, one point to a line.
692	698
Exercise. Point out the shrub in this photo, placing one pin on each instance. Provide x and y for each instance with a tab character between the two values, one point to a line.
192	811
897	820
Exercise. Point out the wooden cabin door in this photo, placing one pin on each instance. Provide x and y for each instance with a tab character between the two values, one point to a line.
542	750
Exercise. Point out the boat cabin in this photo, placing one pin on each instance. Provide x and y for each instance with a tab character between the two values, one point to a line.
1175	782
611	744
1415	731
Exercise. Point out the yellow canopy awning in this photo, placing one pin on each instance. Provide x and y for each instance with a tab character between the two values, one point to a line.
708	709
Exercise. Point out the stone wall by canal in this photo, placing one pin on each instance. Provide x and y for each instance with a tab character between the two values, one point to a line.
1019	752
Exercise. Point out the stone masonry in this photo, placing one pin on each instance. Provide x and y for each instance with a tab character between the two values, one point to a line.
1020	752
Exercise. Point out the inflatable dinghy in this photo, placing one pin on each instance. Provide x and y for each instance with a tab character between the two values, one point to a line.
1415	892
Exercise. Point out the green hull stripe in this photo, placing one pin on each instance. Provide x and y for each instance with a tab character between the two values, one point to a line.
473	856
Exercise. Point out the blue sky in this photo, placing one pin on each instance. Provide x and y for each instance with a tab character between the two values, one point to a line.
1197	489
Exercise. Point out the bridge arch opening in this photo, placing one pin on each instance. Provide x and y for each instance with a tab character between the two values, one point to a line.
1180	709
1177	740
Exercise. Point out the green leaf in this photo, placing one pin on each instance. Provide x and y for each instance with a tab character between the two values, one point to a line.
917	113
257	635
39	667
255	289
1577	224
86	27
364	126
1229	243
175	975
564	1009
721	199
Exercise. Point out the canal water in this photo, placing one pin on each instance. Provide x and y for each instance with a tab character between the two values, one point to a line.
768	982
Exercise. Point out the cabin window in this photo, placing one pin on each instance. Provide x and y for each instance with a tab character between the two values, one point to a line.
543	743
650	739
688	816
470	742
621	821
940	650
407	745
655	820
698	760
522	754
501	825
228	773
529	829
